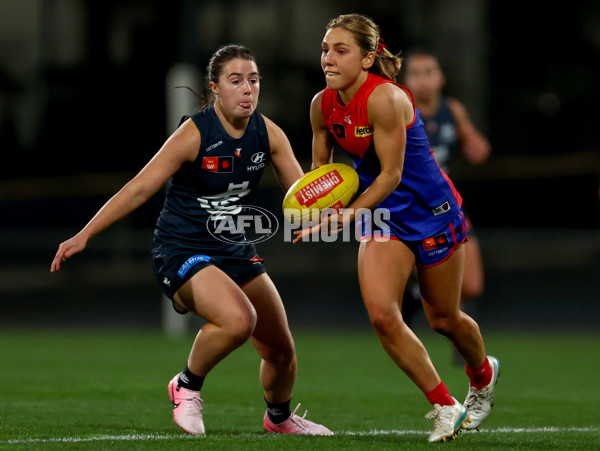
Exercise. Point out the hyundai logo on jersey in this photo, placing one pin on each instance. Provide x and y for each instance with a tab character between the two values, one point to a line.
258	157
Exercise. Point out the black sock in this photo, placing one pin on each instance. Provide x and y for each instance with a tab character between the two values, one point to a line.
278	413
189	380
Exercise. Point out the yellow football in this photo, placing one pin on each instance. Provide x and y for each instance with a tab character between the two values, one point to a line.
329	186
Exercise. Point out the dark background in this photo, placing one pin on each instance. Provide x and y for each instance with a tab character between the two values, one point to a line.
84	104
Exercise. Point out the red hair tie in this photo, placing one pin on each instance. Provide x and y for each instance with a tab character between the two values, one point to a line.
380	45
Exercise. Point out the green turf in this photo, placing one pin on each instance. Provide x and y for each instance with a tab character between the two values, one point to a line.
109	388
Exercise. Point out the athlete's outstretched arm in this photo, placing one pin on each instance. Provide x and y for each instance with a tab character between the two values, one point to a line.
322	142
182	146
287	169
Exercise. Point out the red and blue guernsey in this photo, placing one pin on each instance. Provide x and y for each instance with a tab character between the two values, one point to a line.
425	201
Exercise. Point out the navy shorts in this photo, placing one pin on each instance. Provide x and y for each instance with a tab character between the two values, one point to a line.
174	269
433	250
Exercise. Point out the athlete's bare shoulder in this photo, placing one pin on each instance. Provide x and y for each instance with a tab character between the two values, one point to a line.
315	104
317	97
316	113
389	101
274	131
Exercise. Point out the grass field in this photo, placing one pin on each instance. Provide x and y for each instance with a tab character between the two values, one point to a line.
107	390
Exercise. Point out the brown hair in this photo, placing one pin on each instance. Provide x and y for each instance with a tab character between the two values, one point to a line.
222	56
217	61
368	37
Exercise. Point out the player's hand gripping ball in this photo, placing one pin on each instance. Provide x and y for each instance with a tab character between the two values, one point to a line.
328	186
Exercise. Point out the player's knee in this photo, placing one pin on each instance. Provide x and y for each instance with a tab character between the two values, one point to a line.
283	356
443	325
241	327
385	322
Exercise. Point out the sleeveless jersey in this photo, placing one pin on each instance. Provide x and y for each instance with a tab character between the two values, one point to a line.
220	178
441	131
425	201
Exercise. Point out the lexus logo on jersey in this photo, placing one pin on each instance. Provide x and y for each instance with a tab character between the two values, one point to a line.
218	164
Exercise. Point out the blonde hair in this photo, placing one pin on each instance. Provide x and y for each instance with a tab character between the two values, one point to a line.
368	37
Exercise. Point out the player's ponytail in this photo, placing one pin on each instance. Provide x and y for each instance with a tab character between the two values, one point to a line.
368	37
386	63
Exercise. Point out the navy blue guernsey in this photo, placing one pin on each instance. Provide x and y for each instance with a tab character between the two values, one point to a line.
218	181
441	132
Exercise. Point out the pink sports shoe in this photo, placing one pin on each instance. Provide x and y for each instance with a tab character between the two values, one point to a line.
187	408
296	425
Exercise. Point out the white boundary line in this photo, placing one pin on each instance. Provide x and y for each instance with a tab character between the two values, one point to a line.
490	431
373	433
117	438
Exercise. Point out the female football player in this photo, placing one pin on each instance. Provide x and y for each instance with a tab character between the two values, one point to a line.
214	159
375	121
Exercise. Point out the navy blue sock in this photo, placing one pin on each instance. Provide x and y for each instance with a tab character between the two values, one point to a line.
189	380
278	413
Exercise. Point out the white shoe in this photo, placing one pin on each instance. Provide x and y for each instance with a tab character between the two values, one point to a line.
480	402
449	421
187	408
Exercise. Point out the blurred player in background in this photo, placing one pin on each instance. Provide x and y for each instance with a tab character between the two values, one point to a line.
375	121
213	161
450	131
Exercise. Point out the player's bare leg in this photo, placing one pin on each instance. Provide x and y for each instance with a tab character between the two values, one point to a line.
383	269
231	321
274	343
441	293
441	300
231	317
474	278
272	339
